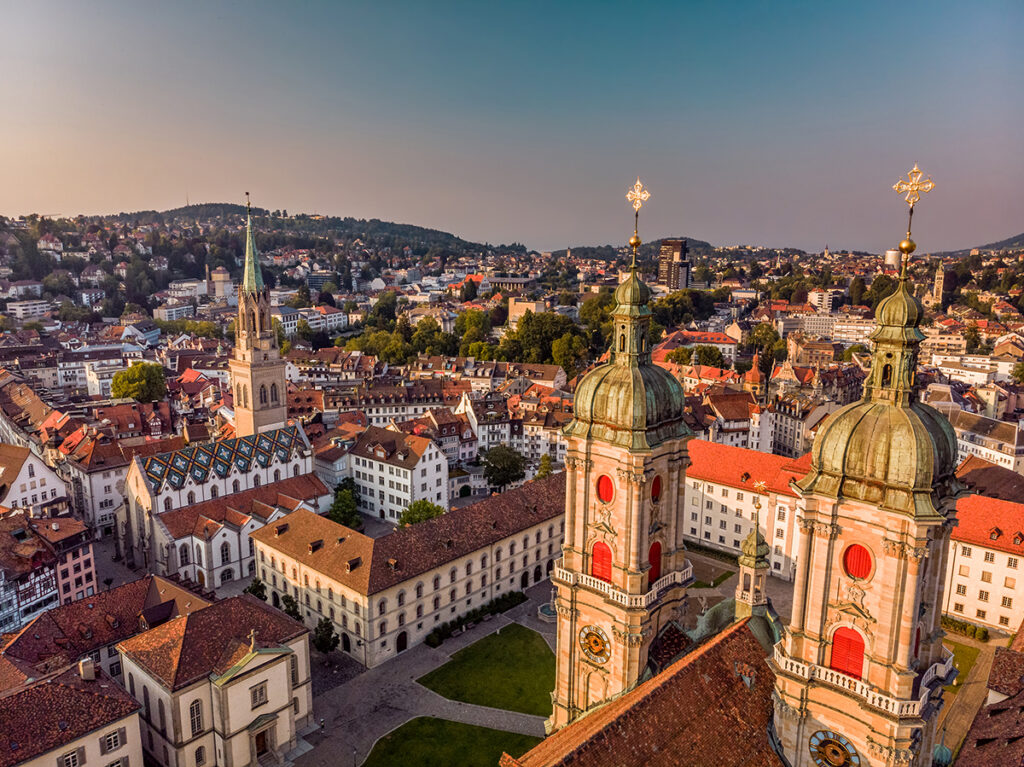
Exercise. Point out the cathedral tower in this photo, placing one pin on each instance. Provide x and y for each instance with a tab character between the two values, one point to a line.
859	673
624	570
257	370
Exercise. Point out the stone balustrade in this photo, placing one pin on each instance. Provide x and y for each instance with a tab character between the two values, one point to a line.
676	578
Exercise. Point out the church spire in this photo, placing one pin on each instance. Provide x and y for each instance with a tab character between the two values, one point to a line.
897	336
632	315
252	276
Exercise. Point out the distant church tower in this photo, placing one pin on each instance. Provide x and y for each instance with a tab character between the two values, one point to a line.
257	370
624	570
859	674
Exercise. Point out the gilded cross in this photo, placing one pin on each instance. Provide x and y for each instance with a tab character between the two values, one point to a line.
638	195
913	186
761	487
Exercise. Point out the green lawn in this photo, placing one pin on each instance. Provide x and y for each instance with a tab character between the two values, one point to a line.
964	657
429	742
513	670
719	580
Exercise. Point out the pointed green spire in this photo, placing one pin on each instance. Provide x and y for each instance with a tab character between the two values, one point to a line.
252	276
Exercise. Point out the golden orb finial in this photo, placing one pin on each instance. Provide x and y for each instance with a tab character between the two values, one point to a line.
907	246
634	241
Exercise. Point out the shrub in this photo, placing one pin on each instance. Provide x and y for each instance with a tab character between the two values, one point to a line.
982	634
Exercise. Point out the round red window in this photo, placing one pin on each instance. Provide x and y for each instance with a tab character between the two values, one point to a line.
656	489
857	561
605	488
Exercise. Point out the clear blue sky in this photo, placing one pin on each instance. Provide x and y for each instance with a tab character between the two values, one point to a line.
773	123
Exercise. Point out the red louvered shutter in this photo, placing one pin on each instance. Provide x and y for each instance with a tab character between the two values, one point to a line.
601	562
848	652
857	561
654	557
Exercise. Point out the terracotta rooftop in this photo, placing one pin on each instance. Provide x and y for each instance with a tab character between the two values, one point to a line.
715	700
65	633
996	736
191	647
236	508
742	467
52	712
369	565
987	478
991	523
392	447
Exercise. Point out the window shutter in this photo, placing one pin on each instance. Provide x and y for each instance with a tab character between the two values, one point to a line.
124	761
103	744
848	652
122	735
601	562
81	755
654	557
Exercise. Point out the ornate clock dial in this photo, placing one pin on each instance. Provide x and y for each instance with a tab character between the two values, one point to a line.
594	643
830	749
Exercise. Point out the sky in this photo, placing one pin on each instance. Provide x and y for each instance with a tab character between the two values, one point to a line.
761	123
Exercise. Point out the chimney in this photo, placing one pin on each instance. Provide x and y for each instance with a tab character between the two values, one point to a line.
87	669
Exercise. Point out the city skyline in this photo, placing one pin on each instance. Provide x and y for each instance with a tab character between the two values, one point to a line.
766	126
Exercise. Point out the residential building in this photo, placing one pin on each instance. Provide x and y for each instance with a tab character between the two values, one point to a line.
999	442
721	500
393	469
30	309
674	264
27	482
384	595
171	312
71	718
225	684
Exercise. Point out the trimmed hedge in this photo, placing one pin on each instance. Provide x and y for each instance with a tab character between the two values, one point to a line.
964	628
495	606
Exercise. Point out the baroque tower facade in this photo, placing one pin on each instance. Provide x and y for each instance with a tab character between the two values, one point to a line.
860	670
624	570
257	371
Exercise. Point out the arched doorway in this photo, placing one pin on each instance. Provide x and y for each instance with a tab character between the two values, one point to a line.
346	643
654	558
226	576
847	652
200	578
536	574
550	566
275	600
524	579
402	641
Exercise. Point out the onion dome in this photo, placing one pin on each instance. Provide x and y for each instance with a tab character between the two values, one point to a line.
629	401
889	449
755	550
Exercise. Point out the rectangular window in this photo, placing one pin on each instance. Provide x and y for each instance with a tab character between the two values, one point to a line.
780	533
709	504
982	596
693	531
739	496
737	528
1011	562
961	590
112	741
721	539
980	614
725	492
990	556
1007	602
966	551
721	525
258	694
965	570
781	516
986	576
693	500
1004	620
70	760
693	516
1010	583
958	607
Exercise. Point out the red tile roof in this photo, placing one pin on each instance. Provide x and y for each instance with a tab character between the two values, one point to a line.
991	523
193	646
715	700
57	710
742	467
235	509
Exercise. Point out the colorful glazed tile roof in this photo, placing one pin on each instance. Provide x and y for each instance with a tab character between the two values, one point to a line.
197	461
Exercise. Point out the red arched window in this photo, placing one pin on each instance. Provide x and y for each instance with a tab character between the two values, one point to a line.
656	489
654	557
605	488
848	652
601	562
857	561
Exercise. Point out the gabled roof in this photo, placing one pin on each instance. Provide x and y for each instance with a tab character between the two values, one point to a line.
991	523
715	700
741	467
55	711
206	642
198	461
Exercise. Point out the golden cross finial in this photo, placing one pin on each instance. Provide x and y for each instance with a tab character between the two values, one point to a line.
761	487
912	188
638	195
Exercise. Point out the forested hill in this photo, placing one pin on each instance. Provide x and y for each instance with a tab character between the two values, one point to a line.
647	251
1010	243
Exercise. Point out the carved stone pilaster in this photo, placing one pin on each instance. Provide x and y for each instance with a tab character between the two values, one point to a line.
788	711
825	530
893	548
630	476
890	755
573	463
629	638
566	612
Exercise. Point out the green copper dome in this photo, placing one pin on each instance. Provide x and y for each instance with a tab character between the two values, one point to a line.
629	401
889	449
755	549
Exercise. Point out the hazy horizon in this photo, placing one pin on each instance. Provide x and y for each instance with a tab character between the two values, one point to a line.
782	125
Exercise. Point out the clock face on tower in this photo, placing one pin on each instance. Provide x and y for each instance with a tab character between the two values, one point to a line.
594	643
830	749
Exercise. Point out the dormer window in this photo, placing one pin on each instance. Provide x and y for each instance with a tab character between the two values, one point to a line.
995	533
1018	539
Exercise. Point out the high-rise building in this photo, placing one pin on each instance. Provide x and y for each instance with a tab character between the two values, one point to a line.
859	672
674	265
624	570
257	370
